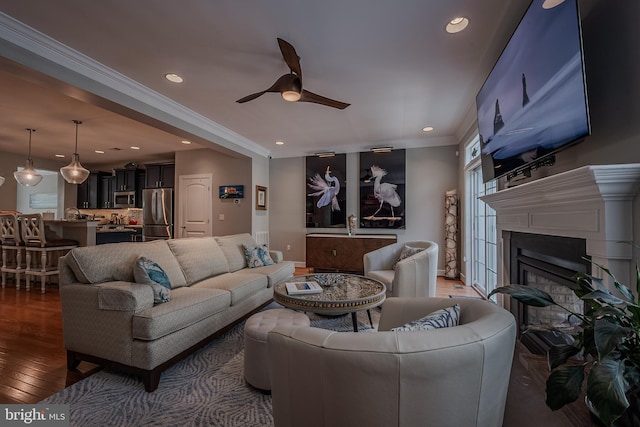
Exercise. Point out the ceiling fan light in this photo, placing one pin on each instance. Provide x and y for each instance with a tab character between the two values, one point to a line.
28	176
290	95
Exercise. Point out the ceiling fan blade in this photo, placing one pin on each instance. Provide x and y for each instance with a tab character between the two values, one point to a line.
307	96
290	56
251	97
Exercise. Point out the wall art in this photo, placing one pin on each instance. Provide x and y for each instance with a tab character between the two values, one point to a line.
382	189
326	191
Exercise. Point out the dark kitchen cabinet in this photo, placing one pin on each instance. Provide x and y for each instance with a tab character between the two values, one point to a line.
89	192
107	186
126	179
160	175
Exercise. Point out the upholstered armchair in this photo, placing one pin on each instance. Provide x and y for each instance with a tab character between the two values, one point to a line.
414	276
456	376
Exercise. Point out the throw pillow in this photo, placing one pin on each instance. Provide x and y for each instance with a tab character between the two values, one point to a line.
257	256
150	273
443	318
406	252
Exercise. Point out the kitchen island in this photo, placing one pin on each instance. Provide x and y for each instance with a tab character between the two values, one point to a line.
81	230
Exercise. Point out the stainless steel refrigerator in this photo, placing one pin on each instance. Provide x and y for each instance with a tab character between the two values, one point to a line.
157	214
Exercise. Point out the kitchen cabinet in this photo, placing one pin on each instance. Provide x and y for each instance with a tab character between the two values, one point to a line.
341	252
89	192
107	186
160	175
126	179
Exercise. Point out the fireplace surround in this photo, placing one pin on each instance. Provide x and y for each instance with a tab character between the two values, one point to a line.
591	203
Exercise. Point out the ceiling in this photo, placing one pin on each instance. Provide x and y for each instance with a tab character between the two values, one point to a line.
392	61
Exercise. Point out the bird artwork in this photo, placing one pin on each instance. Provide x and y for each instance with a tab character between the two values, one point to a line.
384	192
327	188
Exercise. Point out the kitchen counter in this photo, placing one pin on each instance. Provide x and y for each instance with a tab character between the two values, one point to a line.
83	231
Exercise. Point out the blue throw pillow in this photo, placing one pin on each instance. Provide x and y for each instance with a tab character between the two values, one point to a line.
257	256
443	318
150	273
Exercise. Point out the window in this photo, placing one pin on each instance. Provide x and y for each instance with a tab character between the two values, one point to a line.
481	242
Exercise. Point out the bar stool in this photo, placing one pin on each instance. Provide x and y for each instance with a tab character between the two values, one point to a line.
12	248
37	244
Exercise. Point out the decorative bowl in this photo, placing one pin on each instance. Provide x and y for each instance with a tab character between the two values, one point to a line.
329	279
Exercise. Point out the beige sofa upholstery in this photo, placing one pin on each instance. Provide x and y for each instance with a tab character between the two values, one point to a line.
412	277
111	320
455	376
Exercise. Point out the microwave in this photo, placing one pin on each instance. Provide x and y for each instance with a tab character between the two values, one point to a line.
124	199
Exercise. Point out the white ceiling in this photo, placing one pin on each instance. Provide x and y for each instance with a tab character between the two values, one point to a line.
393	61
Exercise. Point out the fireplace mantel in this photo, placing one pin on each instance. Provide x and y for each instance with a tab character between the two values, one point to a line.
594	203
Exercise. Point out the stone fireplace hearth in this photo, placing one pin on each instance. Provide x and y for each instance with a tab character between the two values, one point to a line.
592	203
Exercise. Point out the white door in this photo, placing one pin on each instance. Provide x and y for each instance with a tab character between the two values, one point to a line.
195	205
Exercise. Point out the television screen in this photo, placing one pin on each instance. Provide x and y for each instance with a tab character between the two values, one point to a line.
534	101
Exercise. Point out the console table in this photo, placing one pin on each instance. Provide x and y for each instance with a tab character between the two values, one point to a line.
341	252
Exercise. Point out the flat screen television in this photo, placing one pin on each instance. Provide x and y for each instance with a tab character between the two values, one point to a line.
534	101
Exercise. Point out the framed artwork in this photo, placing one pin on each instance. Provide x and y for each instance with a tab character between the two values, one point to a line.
382	190
231	191
261	198
326	191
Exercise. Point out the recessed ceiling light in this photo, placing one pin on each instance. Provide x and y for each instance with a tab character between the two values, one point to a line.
60	155
99	151
172	77
279	143
457	24
184	141
133	147
427	128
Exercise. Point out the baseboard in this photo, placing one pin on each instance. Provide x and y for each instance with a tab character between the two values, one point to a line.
300	264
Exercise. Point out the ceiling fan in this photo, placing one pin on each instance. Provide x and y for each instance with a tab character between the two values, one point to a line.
290	85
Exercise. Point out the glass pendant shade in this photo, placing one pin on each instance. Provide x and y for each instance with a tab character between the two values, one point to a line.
1	180
28	176
74	173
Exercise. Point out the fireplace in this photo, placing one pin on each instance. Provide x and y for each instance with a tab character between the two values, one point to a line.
548	263
584	212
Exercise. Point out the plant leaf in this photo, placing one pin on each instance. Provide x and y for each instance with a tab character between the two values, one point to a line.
558	355
608	335
563	385
526	294
606	389
605	296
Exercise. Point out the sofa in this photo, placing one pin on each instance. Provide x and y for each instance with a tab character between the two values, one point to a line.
111	320
453	376
413	276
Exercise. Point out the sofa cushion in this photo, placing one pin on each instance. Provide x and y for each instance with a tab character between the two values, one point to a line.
115	261
232	248
147	272
406	252
187	307
257	256
274	272
241	286
443	318
199	257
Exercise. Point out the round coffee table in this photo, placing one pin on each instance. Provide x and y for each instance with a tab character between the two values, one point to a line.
341	294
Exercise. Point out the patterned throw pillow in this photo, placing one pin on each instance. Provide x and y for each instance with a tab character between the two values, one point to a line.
406	252
150	273
443	318
257	256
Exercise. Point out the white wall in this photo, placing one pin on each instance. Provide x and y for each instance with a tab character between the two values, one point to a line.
430	172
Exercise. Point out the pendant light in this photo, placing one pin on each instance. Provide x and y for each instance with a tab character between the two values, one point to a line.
74	173
28	176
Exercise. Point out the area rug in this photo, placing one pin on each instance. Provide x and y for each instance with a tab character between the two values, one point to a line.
205	389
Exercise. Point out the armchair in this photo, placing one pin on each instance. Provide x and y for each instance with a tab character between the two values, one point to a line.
413	277
457	376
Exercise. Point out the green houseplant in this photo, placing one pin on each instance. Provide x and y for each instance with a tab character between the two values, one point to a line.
604	347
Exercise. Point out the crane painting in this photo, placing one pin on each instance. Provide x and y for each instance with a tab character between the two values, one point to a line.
382	190
326	191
